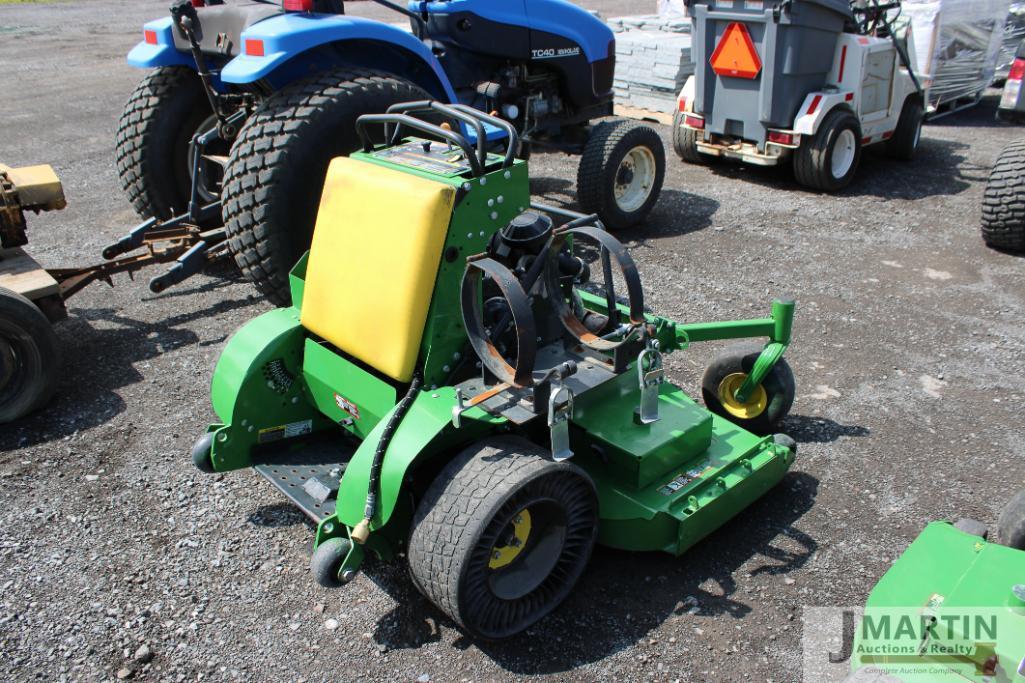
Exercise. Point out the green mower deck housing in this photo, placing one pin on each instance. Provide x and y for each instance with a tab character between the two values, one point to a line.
952	608
411	424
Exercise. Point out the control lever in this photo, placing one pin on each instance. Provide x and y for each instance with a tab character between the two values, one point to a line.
650	378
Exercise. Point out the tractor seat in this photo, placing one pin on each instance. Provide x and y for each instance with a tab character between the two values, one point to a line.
375	255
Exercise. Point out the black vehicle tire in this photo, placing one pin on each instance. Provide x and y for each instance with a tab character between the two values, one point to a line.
1003	204
326	561
765	410
152	143
1011	526
276	169
29	357
908	132
621	172
814	166
503	491
685	142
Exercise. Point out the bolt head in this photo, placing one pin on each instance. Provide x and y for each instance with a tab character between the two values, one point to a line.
347	576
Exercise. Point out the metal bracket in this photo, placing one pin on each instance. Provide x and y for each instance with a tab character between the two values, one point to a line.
559	415
650	378
458	409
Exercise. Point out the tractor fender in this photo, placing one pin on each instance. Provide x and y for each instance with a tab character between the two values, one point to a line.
291	45
147	56
686	95
257	389
424	431
816	107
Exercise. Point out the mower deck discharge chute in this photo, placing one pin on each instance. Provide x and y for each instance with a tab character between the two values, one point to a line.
449	385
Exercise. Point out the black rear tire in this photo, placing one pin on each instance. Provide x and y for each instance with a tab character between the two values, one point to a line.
152	143
813	160
276	170
1003	204
1012	522
685	142
502	536
29	357
908	132
732	365
616	153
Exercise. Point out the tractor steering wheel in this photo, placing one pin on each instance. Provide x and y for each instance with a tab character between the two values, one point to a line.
873	15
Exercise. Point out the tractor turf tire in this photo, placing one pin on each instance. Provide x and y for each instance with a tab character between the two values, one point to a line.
779	384
153	136
908	133
462	517
1003	205
606	147
813	160
29	376
276	169
1011	526
685	142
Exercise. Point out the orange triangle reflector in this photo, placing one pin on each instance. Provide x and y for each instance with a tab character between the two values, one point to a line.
735	55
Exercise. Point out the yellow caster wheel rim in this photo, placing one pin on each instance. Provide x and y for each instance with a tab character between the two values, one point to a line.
748	410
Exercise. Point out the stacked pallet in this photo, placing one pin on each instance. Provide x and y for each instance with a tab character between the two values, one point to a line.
652	61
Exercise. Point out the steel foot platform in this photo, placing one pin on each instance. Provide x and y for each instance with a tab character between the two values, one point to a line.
307	473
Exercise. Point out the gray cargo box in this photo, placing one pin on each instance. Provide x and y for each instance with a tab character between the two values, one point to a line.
795	42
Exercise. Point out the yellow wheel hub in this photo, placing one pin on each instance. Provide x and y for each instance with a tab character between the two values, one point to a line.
503	555
750	409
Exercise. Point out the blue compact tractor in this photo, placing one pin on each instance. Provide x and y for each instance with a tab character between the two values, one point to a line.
249	102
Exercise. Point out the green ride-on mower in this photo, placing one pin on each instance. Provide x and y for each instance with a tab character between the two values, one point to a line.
449	386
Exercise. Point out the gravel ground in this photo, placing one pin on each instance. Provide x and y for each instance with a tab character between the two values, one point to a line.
118	559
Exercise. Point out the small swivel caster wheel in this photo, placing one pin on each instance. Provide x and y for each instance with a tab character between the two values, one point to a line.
763	412
1012	522
201	451
326	563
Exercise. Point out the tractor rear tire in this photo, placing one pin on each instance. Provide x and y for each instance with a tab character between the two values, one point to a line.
153	137
764	411
685	142
1011	526
1003	205
908	132
276	169
828	160
502	536
29	357
621	172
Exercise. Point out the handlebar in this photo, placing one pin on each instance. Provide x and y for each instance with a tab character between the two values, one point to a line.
404	120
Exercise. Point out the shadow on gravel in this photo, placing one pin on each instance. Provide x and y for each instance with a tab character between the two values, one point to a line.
98	362
939	169
675	212
277	516
809	429
624	596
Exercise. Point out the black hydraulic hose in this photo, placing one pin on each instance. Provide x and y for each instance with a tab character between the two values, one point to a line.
362	530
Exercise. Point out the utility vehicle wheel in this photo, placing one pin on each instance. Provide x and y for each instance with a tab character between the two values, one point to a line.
326	561
276	169
1003	205
152	144
766	407
828	160
621	172
29	357
502	536
1011	526
908	133
685	142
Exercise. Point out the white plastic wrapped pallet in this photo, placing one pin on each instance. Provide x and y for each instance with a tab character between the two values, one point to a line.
957	44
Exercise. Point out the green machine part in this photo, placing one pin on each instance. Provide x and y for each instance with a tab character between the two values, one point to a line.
661	486
952	608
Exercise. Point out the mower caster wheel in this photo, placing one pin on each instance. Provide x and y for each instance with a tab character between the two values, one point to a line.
201	453
767	406
786	441
621	172
326	562
972	528
1012	522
